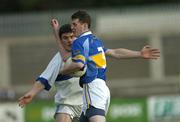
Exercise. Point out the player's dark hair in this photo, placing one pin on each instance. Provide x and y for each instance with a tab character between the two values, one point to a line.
83	17
65	29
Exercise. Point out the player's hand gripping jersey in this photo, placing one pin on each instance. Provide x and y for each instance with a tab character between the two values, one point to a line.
90	51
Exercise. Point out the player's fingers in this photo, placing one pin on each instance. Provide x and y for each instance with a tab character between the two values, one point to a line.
151	57
21	106
21	98
153	49
24	97
21	103
54	22
155	55
147	46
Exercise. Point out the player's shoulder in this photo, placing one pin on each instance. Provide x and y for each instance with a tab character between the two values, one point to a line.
78	41
57	58
57	55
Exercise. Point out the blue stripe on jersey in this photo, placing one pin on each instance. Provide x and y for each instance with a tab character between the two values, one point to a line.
44	82
61	77
78	61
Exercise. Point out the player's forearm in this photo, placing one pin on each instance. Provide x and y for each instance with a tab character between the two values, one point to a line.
37	87
73	67
125	53
62	51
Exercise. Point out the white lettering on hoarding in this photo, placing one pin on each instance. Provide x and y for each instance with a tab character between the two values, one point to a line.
126	110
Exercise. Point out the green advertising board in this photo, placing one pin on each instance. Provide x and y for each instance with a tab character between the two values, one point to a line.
127	110
40	111
121	110
164	108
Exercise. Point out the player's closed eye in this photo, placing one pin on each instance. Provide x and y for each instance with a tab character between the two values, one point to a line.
65	37
72	37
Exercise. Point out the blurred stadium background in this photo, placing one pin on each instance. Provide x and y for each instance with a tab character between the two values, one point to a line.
142	90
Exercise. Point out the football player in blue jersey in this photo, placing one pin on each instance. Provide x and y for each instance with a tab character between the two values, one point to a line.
89	51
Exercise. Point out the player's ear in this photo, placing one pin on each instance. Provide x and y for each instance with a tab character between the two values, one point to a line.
85	25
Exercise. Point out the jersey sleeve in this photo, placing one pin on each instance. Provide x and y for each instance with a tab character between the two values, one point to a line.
78	54
105	49
49	75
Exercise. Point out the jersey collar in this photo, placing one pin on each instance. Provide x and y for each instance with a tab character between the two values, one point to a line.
85	33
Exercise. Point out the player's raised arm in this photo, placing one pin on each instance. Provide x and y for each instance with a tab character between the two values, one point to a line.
28	97
55	28
147	52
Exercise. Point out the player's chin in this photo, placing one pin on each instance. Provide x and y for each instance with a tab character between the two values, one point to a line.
75	34
69	49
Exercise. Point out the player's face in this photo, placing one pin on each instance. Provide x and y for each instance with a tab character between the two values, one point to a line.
78	27
67	40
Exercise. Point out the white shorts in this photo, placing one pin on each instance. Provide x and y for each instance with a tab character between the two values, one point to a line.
96	94
73	110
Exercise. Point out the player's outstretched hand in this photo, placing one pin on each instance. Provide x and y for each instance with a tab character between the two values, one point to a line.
24	100
150	53
55	24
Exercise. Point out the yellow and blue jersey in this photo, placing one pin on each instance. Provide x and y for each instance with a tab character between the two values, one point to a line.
90	51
